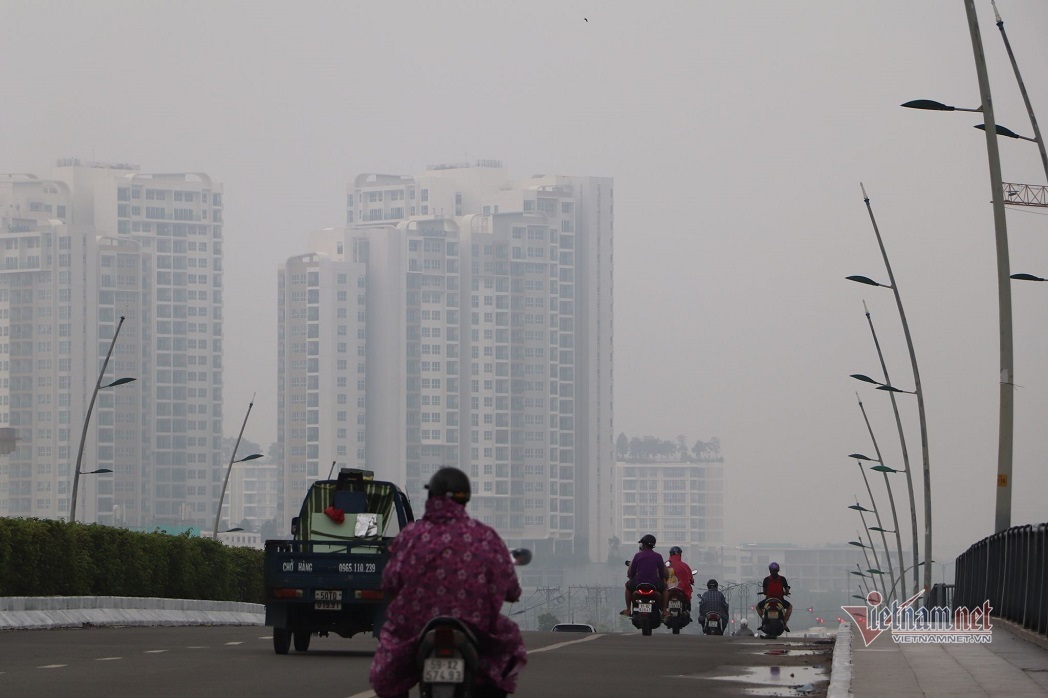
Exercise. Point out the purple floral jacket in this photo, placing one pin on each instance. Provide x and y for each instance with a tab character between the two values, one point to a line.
447	564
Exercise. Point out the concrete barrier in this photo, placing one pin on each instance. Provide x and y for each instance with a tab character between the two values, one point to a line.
51	612
841	669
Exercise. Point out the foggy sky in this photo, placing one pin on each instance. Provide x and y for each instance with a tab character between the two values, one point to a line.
737	134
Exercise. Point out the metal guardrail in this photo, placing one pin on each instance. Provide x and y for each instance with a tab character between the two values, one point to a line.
1008	569
941	596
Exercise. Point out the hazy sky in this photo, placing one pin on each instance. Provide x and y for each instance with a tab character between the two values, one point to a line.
737	134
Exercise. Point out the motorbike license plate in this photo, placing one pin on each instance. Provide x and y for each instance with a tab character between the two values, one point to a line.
773	614
643	608
675	605
443	670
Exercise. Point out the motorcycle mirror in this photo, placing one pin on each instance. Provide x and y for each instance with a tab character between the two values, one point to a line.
627	563
521	556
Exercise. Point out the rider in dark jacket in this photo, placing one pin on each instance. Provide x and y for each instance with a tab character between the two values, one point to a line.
713	600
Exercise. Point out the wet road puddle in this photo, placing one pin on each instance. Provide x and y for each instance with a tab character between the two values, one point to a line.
792	652
775	680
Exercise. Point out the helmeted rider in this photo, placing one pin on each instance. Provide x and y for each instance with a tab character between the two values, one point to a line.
744	629
447	564
775	586
647	567
713	600
685	579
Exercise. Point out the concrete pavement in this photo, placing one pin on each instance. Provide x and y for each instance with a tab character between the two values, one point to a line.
1010	665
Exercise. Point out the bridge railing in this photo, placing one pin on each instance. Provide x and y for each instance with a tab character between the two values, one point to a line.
1010	570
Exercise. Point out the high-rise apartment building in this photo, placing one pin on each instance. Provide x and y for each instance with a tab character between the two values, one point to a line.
321	325
489	343
96	243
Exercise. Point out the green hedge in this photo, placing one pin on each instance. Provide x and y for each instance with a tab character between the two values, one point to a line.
41	557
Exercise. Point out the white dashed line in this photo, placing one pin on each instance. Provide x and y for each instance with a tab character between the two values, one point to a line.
154	651
52	666
106	659
547	648
266	637
234	643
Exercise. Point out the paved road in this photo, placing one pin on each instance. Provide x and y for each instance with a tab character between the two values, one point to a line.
239	661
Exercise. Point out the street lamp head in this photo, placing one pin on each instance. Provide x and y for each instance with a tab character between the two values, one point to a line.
859	456
864	378
253	456
1004	131
859	507
932	105
95	472
119	381
884	469
858	544
859	574
866	280
880	530
893	389
1027	277
874	571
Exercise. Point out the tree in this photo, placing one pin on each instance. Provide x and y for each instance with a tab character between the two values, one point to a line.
622	445
682	447
546	621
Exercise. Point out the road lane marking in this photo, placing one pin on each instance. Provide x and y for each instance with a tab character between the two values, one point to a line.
154	651
564	644
547	648
106	659
52	666
234	643
265	637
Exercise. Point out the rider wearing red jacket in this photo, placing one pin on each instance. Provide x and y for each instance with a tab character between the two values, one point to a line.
682	571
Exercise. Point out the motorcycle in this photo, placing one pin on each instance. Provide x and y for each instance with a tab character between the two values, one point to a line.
680	611
448	656
713	624
645	607
774	619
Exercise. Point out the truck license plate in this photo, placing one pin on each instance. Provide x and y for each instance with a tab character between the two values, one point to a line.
443	670
328	599
644	608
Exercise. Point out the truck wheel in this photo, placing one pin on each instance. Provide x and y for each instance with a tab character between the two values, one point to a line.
302	638
281	640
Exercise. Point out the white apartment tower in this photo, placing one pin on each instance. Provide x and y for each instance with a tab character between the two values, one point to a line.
98	243
489	344
321	422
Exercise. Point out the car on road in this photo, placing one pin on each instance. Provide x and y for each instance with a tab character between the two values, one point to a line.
573	628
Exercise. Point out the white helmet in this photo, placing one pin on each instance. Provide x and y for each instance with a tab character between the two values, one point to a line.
744	623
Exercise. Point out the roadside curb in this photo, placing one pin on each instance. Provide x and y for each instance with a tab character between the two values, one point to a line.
841	671
54	612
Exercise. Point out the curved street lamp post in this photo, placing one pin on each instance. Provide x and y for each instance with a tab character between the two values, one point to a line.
87	420
905	450
917	390
229	468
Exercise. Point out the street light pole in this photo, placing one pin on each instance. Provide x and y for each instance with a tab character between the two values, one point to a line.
87	419
905	456
1022	89
876	511
1003	517
918	391
229	469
